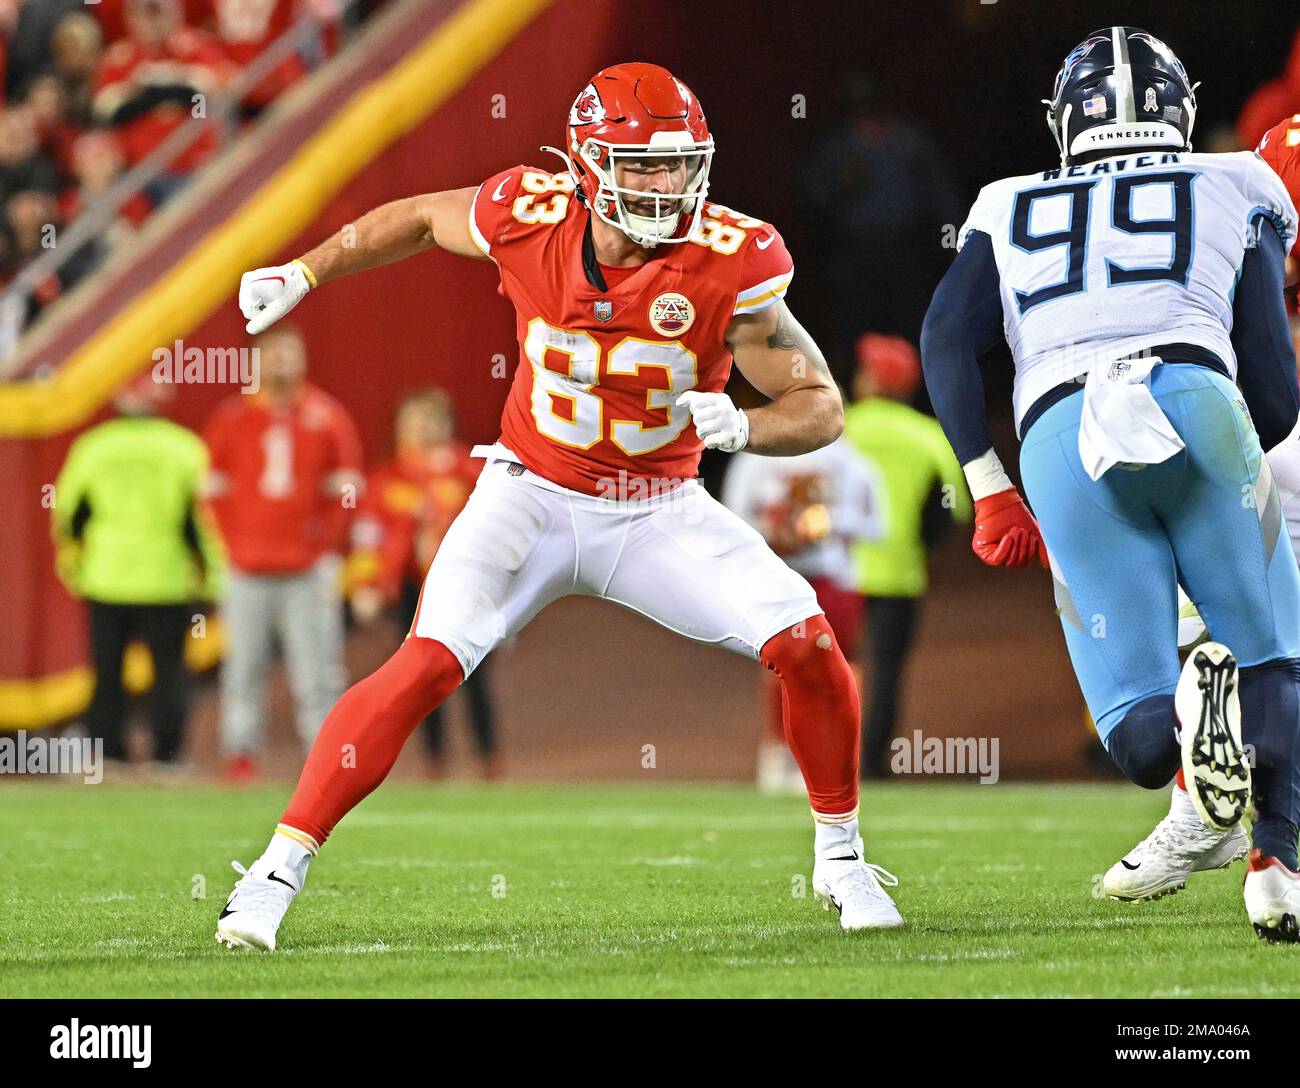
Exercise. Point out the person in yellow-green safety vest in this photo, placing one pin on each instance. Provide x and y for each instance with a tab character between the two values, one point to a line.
922	493
131	539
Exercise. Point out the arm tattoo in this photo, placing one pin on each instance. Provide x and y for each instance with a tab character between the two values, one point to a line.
789	335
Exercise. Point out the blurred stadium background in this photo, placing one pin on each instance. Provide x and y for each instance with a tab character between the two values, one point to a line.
862	130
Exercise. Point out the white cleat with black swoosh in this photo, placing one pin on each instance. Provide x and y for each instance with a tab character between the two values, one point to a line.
1179	846
253	913
855	888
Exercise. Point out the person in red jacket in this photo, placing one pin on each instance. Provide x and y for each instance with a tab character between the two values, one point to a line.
410	504
285	480
246	28
153	81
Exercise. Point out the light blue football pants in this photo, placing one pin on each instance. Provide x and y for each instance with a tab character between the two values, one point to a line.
1209	519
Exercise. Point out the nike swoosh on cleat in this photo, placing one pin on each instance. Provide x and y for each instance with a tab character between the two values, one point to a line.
851	857
280	880
225	911
1130	868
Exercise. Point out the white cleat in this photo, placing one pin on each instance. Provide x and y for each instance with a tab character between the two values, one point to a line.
1179	846
1216	770
256	907
1272	896
853	887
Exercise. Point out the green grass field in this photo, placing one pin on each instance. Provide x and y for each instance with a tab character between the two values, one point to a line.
622	891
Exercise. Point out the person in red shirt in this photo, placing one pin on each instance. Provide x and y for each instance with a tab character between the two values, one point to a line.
285	479
410	504
153	81
634	294
246	28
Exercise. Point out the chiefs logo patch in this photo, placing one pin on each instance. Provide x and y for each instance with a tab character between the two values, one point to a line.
587	107
671	314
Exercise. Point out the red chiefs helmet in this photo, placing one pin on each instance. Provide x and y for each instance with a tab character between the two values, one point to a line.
640	114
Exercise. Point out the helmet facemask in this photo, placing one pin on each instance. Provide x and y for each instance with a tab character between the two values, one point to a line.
671	217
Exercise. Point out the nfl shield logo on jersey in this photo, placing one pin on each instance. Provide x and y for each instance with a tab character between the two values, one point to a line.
603	309
671	314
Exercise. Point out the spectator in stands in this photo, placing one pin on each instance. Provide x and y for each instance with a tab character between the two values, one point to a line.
285	480
96	164
29	47
245	31
133	541
22	164
156	80
77	47
811	509
922	491
55	135
410	504
32	220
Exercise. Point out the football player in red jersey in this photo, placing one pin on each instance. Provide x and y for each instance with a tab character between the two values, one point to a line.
633	294
1280	148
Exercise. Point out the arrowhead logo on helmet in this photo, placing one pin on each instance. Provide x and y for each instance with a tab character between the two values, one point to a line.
639	151
587	107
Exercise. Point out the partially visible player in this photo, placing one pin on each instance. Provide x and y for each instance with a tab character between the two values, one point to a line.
1178	846
633	294
1280	148
1134	284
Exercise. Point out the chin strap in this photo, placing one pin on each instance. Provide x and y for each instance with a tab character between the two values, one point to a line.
591	266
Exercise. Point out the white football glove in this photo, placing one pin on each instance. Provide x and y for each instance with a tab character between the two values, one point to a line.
267	294
718	422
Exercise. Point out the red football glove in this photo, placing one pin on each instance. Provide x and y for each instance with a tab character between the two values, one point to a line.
1006	534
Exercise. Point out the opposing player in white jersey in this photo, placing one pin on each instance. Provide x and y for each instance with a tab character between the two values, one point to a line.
1178	846
1135	284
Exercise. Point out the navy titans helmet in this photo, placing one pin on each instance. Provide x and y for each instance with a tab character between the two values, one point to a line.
1124	89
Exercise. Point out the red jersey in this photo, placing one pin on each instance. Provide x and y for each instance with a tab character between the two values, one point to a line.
189	57
409	505
246	28
594	396
1280	148
277	479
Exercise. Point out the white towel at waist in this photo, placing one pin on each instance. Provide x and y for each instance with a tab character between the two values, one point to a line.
1121	421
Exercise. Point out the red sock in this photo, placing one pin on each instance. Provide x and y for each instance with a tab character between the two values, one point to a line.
1182	785
363	734
774	700
821	711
